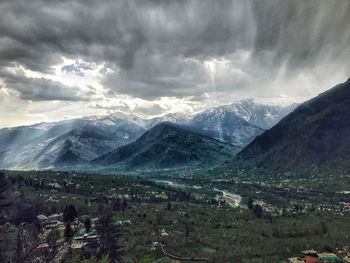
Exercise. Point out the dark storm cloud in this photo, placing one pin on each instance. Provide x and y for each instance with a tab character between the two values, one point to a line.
158	48
40	89
37	33
302	30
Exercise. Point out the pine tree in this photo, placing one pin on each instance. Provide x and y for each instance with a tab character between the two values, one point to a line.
3	185
19	248
68	231
69	213
250	203
258	211
87	224
110	234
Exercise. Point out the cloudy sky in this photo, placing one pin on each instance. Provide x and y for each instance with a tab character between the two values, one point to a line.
66	59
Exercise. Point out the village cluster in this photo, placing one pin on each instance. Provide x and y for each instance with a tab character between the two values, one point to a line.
313	256
85	237
53	235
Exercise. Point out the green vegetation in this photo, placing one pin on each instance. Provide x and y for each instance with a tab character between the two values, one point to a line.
186	216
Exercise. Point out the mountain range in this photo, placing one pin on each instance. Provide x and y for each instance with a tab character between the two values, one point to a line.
80	141
239	123
316	133
168	145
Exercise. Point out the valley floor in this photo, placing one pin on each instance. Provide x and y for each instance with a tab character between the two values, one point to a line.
164	216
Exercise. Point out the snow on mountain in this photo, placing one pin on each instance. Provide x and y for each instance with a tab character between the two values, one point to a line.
261	115
223	124
315	134
176	118
80	140
240	122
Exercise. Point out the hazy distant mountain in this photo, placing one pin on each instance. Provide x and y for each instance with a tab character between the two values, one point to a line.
44	145
240	122
317	132
260	115
78	141
223	124
75	147
168	146
176	118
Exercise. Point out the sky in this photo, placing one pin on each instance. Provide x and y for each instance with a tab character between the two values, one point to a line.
68	59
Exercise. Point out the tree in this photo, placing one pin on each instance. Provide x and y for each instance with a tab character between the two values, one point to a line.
24	213
187	229
269	218
87	224
19	248
4	185
258	211
105	259
51	240
69	213
250	203
159	217
110	234
4	236
6	241
30	239
68	231
124	205
324	228
146	259
117	205
74	259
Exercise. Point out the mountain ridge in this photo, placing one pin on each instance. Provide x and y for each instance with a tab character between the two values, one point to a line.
25	147
168	145
315	133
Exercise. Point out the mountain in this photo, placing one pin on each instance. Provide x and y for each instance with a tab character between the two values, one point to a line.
168	145
78	141
51	145
317	132
176	118
75	147
223	124
240	122
71	142
260	115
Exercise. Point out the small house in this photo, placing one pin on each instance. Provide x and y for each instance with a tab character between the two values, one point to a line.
295	260
310	253
56	217
42	218
329	257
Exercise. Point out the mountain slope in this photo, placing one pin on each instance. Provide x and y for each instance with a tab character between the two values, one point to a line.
168	146
260	115
175	118
317	132
73	142
223	124
240	122
42	146
75	147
